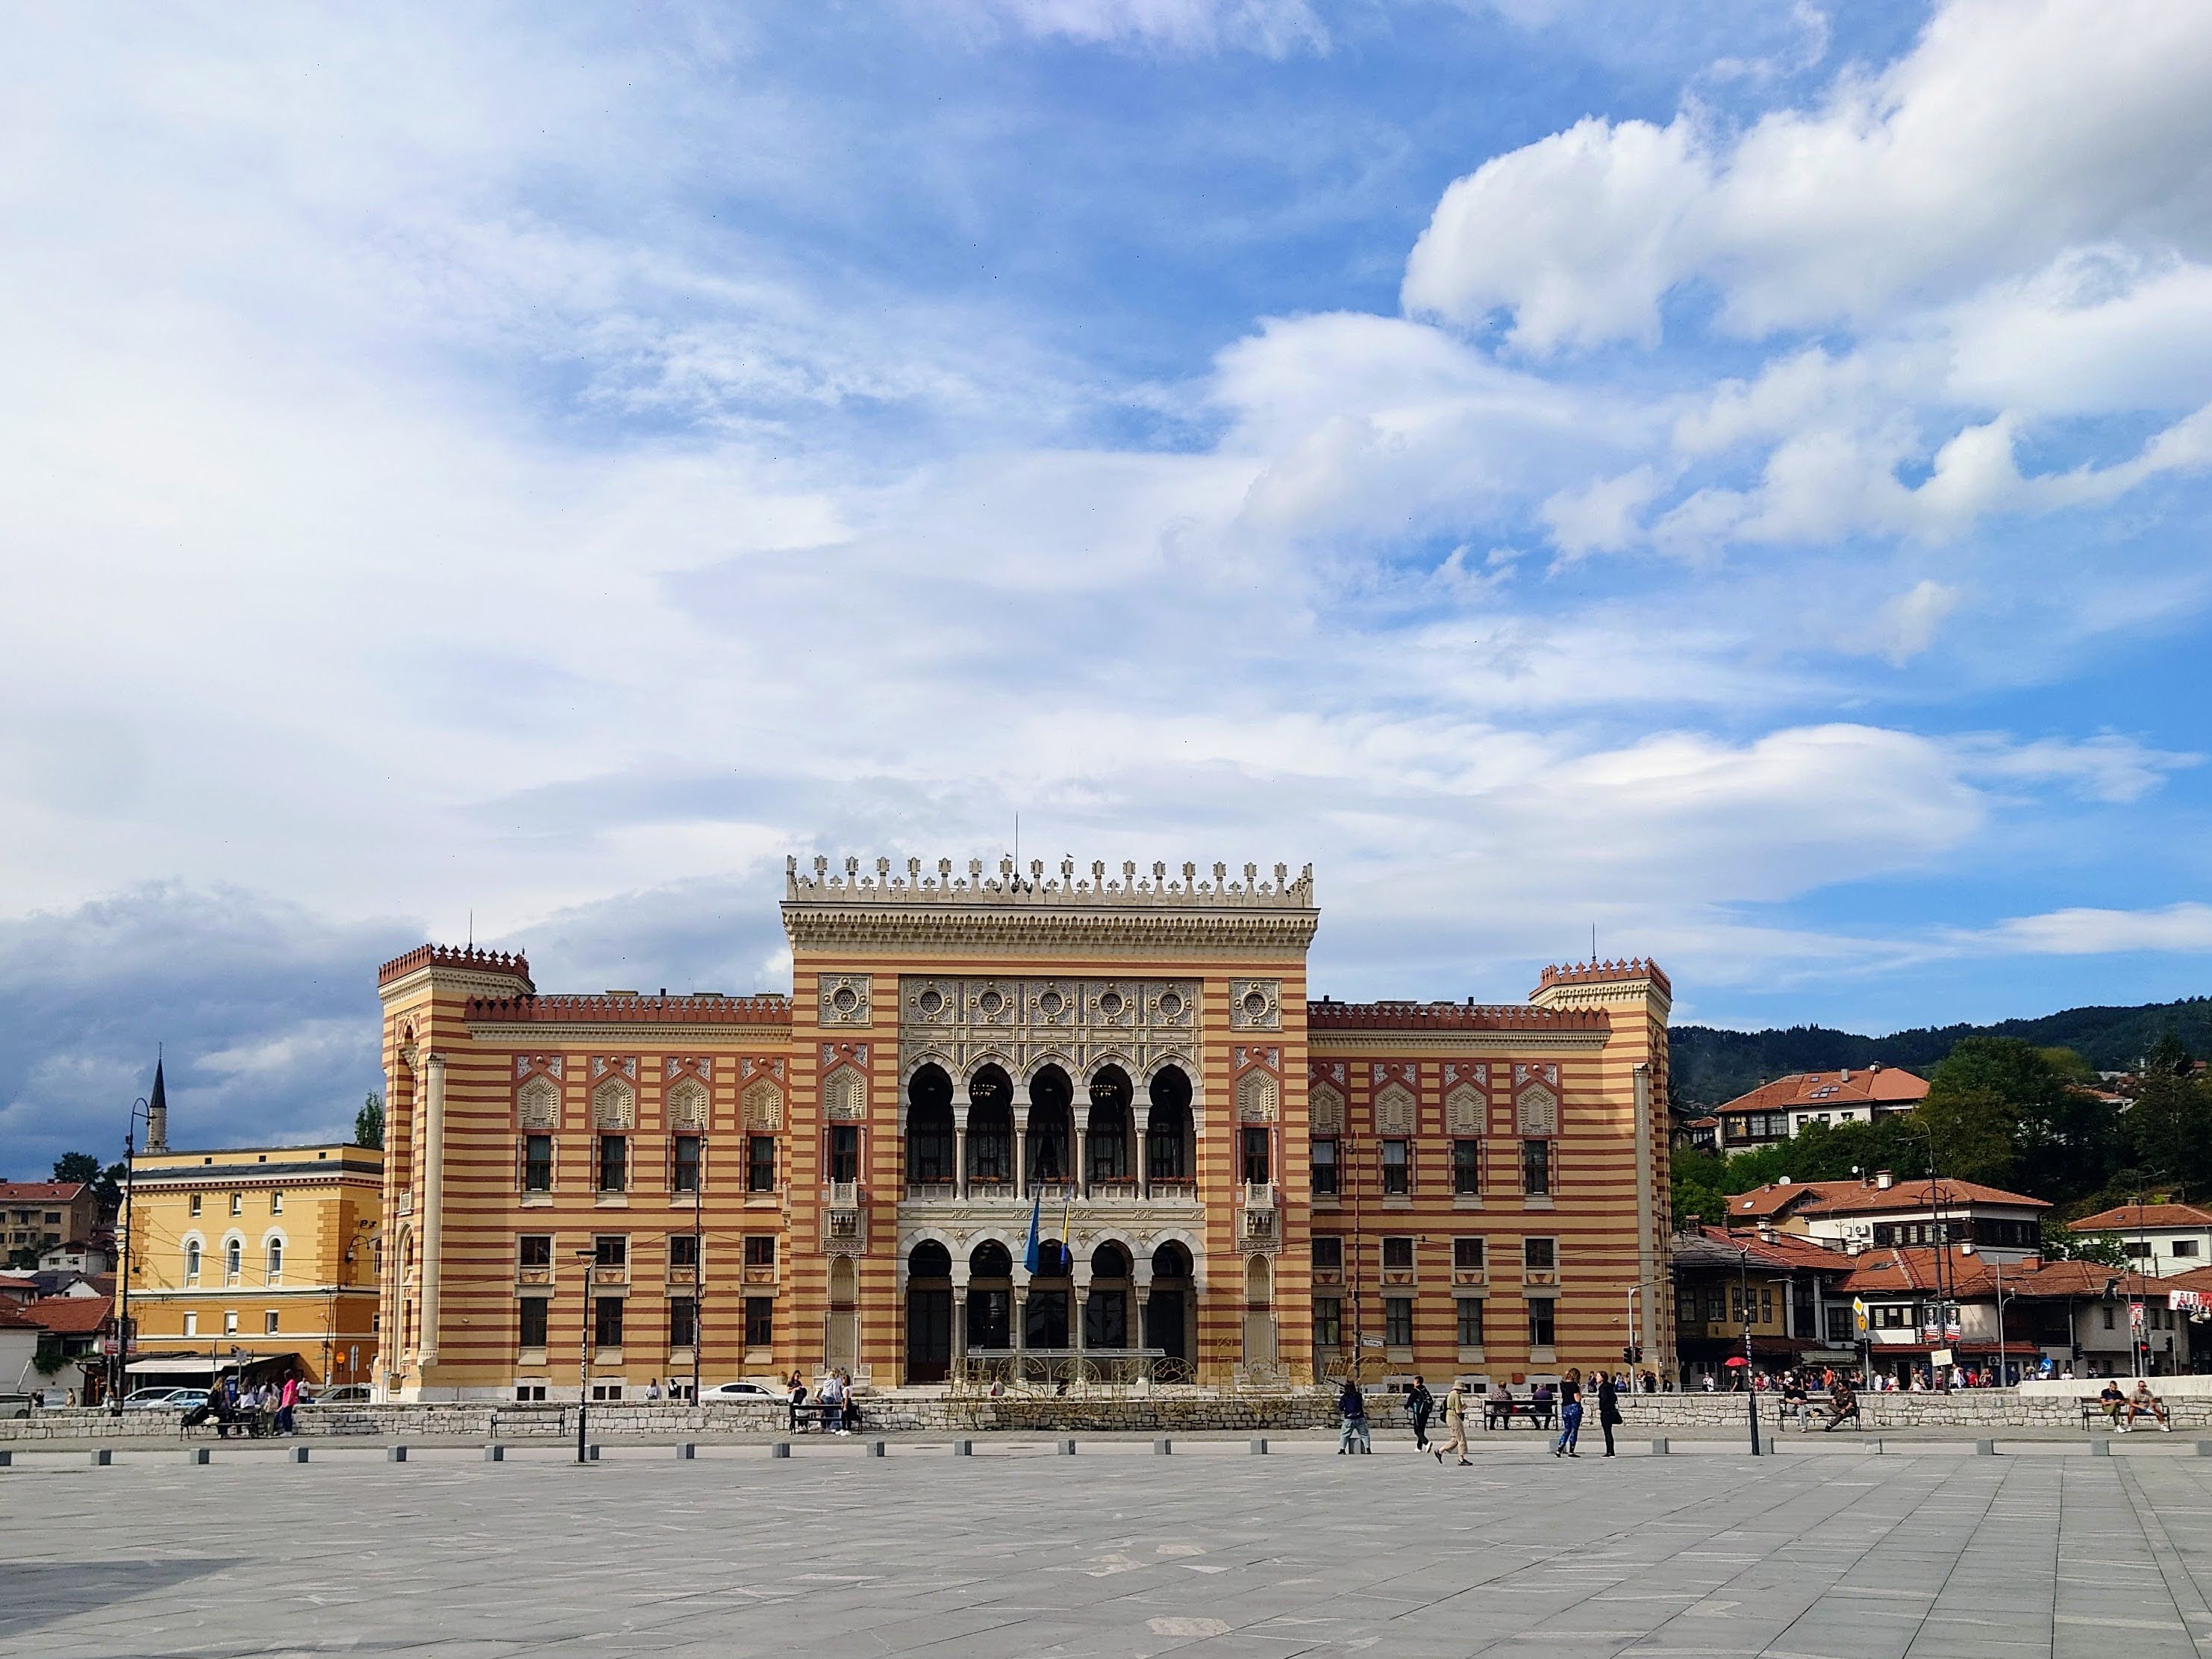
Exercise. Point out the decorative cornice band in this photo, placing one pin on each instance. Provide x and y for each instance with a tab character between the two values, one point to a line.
969	927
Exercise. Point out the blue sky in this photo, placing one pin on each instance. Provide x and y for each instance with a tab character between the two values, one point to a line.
1731	476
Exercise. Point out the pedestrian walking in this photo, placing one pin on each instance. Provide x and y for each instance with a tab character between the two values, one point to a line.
1608	1411
1352	1405
1454	1424
286	1400
1570	1414
1419	1405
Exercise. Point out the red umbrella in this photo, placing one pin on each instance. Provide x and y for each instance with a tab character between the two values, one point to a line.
1738	1359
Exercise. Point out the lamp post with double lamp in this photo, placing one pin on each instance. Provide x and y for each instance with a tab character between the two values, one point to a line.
584	1259
119	1369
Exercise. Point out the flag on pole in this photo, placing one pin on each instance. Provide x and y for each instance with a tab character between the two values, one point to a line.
1030	1259
1066	1228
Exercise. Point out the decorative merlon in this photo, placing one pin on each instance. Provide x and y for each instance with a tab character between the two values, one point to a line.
1008	886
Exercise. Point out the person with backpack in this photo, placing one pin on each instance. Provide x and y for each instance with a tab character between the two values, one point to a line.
1419	1404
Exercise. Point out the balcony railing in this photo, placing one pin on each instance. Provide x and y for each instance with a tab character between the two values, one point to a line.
1174	1187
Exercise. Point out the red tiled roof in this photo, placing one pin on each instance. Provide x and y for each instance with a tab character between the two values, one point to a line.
11	1319
68	1315
1857	1198
40	1192
1785	1250
1967	1277
2144	1215
1883	1085
1325	1015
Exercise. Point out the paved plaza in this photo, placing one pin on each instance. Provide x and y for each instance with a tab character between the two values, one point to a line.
1114	1552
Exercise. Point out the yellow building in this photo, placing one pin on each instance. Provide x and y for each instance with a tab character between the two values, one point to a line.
1226	1178
255	1253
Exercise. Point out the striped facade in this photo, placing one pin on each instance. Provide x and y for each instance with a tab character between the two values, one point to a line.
595	1192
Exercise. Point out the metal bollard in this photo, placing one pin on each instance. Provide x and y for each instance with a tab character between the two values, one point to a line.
298	1453
2204	1450
7	1458
1162	1447
685	1451
495	1454
2100	1449
780	1448
1659	1448
1985	1449
967	1448
591	1454
875	1448
1065	1447
196	1456
101	1457
1259	1447
395	1453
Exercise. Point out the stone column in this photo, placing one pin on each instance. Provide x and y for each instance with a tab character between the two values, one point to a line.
434	1207
1019	1106
1144	1165
960	1142
1082	1171
1018	1331
959	1317
1079	1297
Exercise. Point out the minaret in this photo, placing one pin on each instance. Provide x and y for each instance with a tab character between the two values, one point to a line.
157	1114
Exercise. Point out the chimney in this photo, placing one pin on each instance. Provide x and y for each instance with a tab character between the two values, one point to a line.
1872	1069
1883	1181
1767	1232
157	1113
1844	1076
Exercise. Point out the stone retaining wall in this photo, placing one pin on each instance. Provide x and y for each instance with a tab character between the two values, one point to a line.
1191	1412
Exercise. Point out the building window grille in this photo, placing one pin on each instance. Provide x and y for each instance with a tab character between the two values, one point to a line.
1398	1252
1258	1161
1541	1254
1470	1322
1328	1251
534	1249
1467	1168
1324	1168
844	1152
1536	1168
610	1250
530	1313
614	1164
1539	1321
683	1322
1467	1254
760	1249
1328	1323
685	1177
760	1164
683	1249
1398	1322
607	1321
538	1163
760	1321
1397	1175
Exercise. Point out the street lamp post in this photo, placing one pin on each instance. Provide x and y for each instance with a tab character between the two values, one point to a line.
120	1368
1750	1394
583	1260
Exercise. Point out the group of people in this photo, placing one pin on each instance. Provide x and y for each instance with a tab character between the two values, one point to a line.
1357	1437
836	1409
259	1409
2141	1403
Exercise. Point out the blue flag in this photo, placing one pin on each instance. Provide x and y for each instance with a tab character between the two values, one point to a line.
1029	1260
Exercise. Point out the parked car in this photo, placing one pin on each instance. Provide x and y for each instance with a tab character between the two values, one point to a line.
14	1405
349	1393
157	1400
742	1391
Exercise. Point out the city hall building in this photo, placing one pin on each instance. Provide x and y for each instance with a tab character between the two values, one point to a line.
1227	1178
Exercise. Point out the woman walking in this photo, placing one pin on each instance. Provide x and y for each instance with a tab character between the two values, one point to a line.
1454	1425
1608	1410
1570	1414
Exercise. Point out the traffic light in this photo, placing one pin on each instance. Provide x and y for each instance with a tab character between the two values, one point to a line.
1633	1353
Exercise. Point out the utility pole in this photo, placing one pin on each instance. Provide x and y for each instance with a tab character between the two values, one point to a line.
585	1258
1750	1394
699	1275
118	1369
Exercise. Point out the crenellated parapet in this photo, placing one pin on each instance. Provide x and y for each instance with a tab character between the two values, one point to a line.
1600	973
1325	1014
621	1008
1062	910
513	965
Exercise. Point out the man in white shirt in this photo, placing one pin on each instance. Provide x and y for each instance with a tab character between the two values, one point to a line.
830	1399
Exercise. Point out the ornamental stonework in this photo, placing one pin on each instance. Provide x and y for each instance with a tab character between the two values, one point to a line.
960	1023
844	1000
1255	1005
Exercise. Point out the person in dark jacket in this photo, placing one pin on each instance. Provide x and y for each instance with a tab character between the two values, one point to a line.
1608	1410
1419	1404
1570	1414
1352	1404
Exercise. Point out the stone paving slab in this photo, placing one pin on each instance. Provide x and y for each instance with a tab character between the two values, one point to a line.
1115	1552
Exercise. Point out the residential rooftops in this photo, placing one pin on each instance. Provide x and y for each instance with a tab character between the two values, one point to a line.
2128	1216
1811	1197
1872	1086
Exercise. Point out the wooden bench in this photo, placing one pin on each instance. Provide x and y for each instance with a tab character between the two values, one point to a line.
1537	1413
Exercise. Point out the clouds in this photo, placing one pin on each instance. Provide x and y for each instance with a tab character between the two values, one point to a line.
547	468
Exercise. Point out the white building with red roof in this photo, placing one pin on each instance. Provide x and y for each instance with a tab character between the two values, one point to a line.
1785	1108
2159	1239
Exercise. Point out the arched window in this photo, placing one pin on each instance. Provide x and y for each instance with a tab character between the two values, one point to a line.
276	1271
1167	1138
192	1262
929	1138
1112	1157
1052	1129
233	1261
990	1125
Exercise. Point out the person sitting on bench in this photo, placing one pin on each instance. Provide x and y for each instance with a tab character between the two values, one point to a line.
1843	1406
2112	1400
2144	1401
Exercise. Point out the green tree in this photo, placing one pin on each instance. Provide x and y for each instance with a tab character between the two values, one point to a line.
369	1122
83	1167
2001	1111
2168	1129
2061	1244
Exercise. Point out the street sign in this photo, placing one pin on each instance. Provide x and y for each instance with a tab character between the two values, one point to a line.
1942	1356
1370	1341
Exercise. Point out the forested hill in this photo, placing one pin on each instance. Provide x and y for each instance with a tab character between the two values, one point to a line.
1712	1065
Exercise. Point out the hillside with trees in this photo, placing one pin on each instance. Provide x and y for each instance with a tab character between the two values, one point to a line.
1709	1066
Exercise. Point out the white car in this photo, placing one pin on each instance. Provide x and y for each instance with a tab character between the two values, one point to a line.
348	1393
743	1391
155	1400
